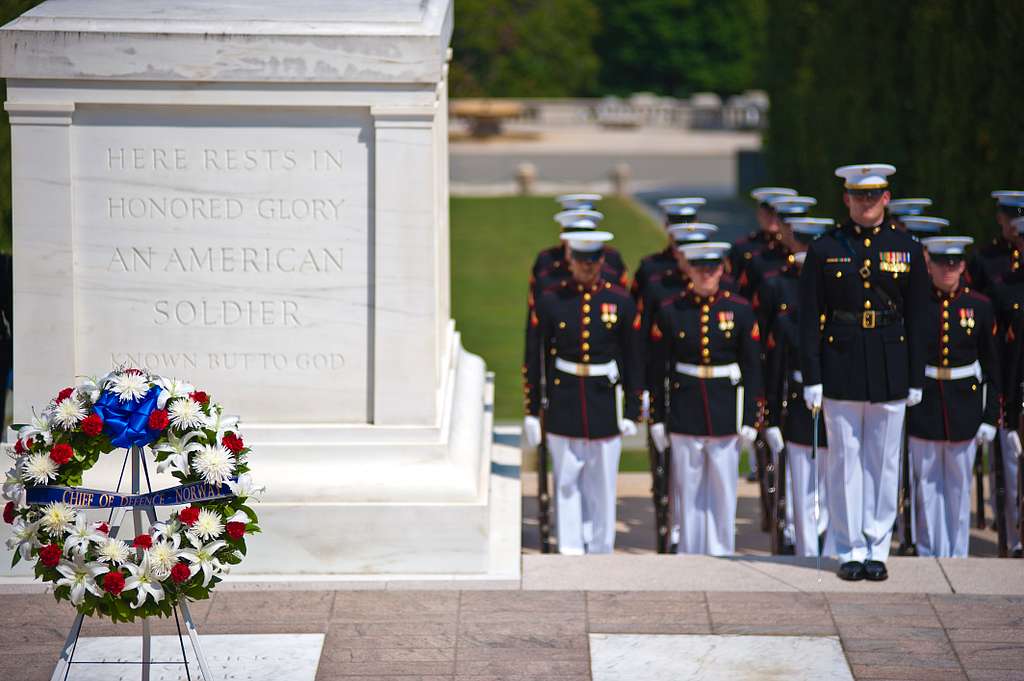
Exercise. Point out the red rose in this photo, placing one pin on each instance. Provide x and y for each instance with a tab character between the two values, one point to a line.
158	419
92	425
9	512
188	515
104	528
62	453
50	555
136	372
19	447
236	530
143	541
64	394
180	573
233	443
113	583
200	397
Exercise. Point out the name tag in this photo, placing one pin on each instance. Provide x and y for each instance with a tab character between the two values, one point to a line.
834	261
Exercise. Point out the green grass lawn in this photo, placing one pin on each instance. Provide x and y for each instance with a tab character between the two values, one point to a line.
494	242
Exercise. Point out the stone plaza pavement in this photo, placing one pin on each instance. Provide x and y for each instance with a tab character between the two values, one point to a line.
932	620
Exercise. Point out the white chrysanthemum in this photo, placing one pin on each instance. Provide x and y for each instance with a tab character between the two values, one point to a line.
69	413
113	551
129	386
209	525
58	518
40	468
186	413
163	556
214	463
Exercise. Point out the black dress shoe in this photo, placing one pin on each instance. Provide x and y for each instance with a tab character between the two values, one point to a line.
852	571
1017	553
875	571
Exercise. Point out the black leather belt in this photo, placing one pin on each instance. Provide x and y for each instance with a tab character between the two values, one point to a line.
868	319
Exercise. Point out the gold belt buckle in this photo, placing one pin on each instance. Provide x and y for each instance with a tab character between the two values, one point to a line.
944	374
706	371
868	319
583	370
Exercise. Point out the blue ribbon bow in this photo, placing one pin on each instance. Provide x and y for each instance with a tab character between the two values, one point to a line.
127	423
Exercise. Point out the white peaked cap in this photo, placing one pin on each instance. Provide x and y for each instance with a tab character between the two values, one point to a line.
577	200
691	231
704	250
579	218
764	193
792	204
866	175
947	245
908	206
586	242
924	223
803	225
665	204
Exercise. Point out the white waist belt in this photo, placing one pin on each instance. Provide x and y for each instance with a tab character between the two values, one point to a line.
797	376
609	369
730	371
972	370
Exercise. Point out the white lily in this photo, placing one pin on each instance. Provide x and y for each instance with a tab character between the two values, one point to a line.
180	447
221	424
83	534
89	387
171	388
24	537
167	529
39	427
14	486
144	579
81	577
203	558
244	488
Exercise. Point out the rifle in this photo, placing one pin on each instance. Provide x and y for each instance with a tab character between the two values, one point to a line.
543	495
659	493
906	499
765	469
979	481
779	507
999	473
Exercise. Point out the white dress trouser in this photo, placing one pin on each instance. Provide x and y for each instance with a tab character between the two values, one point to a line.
801	475
1010	465
585	469
943	472
863	463
705	470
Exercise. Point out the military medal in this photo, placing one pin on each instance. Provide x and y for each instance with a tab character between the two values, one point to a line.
609	313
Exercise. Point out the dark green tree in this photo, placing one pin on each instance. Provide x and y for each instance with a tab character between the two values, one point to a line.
524	48
677	47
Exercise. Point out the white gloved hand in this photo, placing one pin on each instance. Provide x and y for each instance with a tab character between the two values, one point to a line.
659	436
812	396
1013	440
627	428
773	436
531	430
645	405
914	397
986	433
748	434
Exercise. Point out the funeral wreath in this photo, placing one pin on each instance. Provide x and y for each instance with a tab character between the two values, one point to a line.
188	435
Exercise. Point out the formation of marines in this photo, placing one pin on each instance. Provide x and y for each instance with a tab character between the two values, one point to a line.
863	365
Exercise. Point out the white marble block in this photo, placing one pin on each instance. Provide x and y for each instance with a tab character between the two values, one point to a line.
254	196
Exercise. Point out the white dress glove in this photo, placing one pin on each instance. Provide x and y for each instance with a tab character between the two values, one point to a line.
914	397
531	430
773	436
1013	440
659	436
748	434
986	433
812	396
627	428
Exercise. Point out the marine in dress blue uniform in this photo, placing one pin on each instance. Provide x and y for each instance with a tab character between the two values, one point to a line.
771	258
993	261
706	396
746	247
960	408
680	210
587	333
863	288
